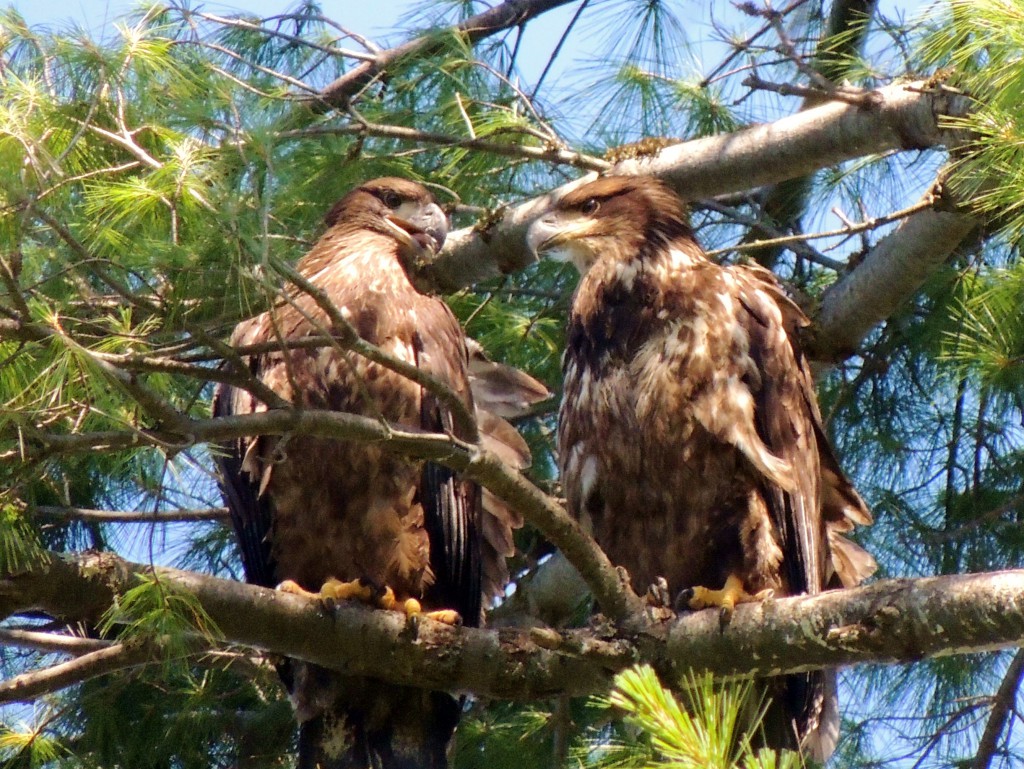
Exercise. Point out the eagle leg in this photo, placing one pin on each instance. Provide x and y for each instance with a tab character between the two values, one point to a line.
726	599
366	592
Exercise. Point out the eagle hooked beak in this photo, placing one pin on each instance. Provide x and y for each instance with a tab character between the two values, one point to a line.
560	237
423	224
543	235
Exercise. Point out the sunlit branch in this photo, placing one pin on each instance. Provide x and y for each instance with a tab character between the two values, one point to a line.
37	683
851	229
240	23
1003	704
547	514
70	513
892	272
888	622
503	16
902	116
839	93
50	643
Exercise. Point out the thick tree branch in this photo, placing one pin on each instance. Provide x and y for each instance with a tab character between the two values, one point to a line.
891	621
616	599
897	117
889	275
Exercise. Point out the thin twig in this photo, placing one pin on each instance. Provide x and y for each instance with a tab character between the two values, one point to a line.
240	23
852	229
838	93
415	135
504	16
51	643
37	683
130	516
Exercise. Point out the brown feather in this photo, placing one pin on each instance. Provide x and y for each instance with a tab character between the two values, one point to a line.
309	509
689	436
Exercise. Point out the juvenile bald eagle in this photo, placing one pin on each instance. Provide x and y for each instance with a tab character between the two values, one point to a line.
689	438
310	510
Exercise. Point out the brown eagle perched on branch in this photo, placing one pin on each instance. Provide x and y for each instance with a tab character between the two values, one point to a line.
689	437
348	519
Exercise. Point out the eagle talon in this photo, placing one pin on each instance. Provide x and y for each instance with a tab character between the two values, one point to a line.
731	594
447	616
683	599
657	595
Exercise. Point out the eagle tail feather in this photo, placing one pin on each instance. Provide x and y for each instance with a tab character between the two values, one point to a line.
802	714
373	725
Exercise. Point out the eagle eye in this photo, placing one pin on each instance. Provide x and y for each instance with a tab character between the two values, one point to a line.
391	199
590	206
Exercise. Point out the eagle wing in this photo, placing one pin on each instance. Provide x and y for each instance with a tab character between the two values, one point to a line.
823	505
240	480
451	505
786	423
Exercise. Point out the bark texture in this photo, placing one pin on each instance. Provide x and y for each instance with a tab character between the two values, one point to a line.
897	117
888	622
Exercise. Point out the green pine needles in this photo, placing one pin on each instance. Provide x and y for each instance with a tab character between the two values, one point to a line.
704	731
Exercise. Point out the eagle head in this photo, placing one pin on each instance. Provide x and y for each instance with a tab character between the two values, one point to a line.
618	216
397	207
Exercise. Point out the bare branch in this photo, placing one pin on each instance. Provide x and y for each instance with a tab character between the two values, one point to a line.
851	228
51	643
504	16
129	516
616	599
417	136
36	683
889	275
1002	706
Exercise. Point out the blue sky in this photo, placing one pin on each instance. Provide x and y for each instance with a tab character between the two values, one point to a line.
377	16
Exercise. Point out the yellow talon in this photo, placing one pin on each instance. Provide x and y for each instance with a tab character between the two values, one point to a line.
412	607
293	587
344	591
447	616
336	590
727	598
387	600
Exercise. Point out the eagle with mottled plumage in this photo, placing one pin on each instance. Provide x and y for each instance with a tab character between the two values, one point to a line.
350	518
690	440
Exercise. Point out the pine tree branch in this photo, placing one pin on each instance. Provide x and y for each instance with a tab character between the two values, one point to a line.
50	643
37	683
889	275
504	16
889	622
1002	706
608	585
897	117
71	513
